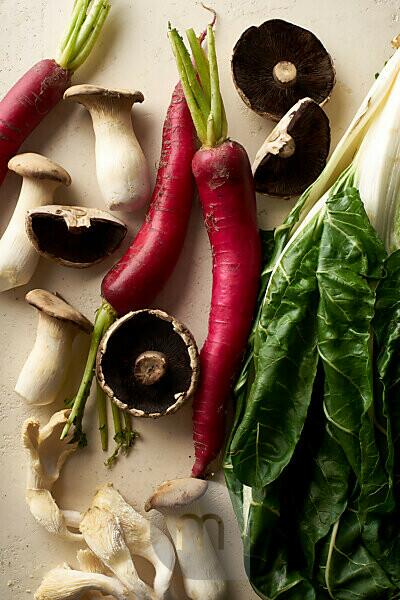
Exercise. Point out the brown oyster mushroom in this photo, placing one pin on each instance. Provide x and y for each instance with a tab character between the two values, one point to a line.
295	152
148	363
74	236
278	63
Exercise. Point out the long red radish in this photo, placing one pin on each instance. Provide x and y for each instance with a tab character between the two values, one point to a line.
146	266
225	183
138	277
42	87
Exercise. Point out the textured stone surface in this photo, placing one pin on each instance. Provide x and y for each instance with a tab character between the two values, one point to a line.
134	52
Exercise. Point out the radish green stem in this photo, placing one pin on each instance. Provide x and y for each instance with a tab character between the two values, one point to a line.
105	316
87	20
201	61
101	399
197	116
124	436
201	86
192	76
216	100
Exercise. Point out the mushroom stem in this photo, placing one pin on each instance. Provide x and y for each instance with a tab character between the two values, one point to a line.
180	501
105	316
121	167
285	73
46	368
18	258
150	367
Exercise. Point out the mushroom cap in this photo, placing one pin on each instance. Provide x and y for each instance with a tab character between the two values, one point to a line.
176	492
295	152
88	93
74	236
37	166
126	340
56	307
260	49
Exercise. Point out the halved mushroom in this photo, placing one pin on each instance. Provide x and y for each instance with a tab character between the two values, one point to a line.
148	363
46	368
74	236
295	152
276	64
41	178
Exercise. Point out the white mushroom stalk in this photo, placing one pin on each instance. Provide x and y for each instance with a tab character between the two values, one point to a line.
142	538
64	583
122	171
41	177
103	534
180	501
47	455
46	368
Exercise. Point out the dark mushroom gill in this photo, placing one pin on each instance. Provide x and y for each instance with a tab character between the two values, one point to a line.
137	335
80	245
257	52
279	176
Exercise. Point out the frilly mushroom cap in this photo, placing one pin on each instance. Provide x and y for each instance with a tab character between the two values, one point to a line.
89	94
295	152
141	335
176	492
37	166
276	64
74	236
56	307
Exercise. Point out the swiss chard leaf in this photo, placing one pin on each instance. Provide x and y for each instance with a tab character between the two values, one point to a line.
263	444
350	257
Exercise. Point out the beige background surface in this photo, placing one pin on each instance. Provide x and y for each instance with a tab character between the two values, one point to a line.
134	53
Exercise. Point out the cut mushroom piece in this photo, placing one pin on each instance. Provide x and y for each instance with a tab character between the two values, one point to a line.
103	534
74	236
148	363
41	177
180	501
142	538
46	367
64	583
47	455
295	152
122	170
278	63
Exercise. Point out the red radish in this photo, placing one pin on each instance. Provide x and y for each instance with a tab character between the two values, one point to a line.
43	86
224	179
142	272
138	277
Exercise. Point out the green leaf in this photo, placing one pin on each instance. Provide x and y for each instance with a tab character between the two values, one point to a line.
285	342
351	256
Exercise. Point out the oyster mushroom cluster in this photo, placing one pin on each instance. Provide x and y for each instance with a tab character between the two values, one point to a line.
283	72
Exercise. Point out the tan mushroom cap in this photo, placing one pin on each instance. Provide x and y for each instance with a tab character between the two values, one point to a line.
56	307
37	166
83	93
177	492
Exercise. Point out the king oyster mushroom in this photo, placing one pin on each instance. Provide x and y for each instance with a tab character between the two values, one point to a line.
148	363
74	236
122	171
295	152
46	368
181	503
278	63
41	177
